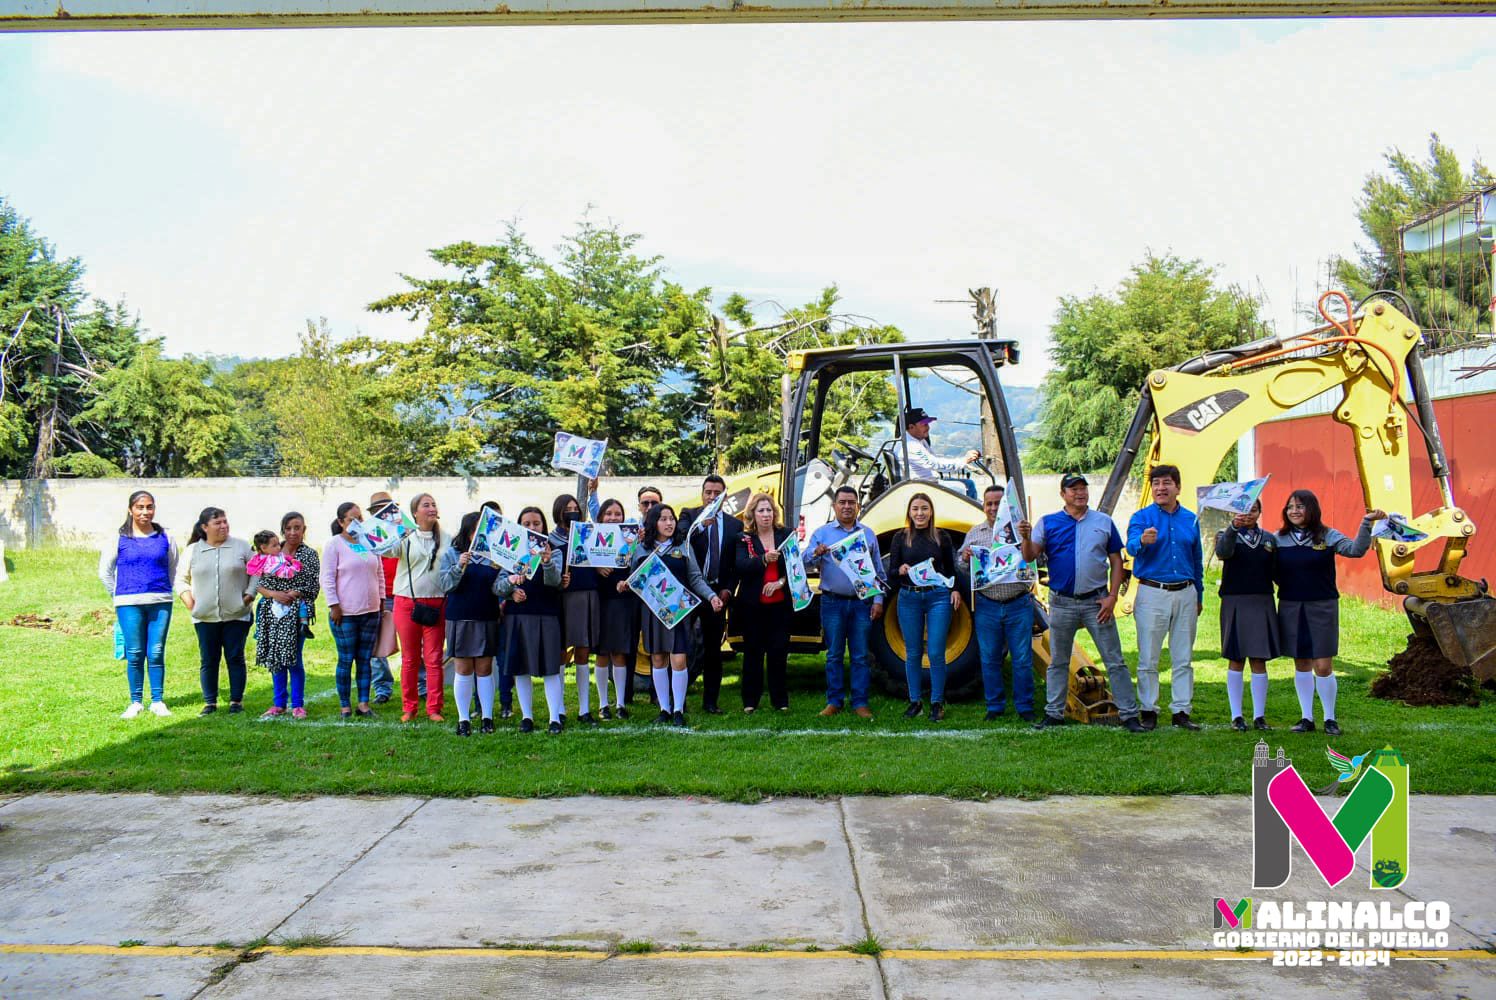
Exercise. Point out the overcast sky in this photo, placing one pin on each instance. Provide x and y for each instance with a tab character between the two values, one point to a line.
230	185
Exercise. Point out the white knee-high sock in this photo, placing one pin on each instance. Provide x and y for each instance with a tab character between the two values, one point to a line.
1233	692
524	690
486	685
620	683
661	677
1327	688
602	682
679	679
1303	682
584	689
1259	696
462	693
555	696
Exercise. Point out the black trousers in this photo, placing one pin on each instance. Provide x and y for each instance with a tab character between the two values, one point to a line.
713	627
766	637
225	639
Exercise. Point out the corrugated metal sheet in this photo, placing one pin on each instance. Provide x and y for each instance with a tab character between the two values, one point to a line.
1315	453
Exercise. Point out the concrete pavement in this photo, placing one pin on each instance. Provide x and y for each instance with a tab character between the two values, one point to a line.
127	895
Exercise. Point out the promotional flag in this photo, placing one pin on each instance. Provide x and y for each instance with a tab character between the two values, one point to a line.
859	562
661	593
1009	513
578	454
1397	528
501	543
708	512
382	533
792	558
924	574
1233	498
602	545
997	564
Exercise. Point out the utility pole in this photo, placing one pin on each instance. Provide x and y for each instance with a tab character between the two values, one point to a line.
984	311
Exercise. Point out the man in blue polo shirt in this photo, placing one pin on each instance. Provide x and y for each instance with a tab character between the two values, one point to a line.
846	618
1163	539
1084	554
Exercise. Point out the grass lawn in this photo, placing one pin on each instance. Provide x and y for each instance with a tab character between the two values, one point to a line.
61	693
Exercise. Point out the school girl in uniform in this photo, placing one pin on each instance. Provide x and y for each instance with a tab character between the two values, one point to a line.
617	622
580	608
1249	615
532	629
669	648
1309	600
472	617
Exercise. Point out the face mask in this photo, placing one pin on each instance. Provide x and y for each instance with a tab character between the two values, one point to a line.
570	516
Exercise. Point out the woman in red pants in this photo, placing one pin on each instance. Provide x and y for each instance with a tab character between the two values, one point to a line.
419	603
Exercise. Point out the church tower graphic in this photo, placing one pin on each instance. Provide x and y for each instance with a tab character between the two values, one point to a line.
1270	840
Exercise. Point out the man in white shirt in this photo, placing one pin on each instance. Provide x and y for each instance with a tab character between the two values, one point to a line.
924	463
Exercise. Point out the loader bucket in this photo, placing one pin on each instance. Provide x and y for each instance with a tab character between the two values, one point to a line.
1464	630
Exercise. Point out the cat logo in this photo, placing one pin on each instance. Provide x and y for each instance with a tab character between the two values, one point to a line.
1200	414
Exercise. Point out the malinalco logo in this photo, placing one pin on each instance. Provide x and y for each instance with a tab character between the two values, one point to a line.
1284	809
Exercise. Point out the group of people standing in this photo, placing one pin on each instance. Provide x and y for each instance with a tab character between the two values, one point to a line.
438	603
1278	598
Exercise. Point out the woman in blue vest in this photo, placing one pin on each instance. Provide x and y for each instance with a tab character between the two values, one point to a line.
1309	601
1249	616
472	626
137	569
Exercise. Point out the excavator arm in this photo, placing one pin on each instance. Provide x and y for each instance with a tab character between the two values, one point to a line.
1197	411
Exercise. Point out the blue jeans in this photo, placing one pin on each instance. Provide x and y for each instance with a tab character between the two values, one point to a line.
1066	617
921	611
1006	627
144	628
844	624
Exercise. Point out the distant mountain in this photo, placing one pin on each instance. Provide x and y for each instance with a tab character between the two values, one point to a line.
957	411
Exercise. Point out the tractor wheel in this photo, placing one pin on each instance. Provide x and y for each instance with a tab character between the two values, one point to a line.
963	664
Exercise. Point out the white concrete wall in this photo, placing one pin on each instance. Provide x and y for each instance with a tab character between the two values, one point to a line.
83	512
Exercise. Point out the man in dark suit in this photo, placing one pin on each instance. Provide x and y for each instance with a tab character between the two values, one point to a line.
715	544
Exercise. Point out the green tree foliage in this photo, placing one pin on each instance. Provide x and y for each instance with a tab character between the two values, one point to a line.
745	370
330	418
516	347
52	350
1450	291
1166	311
164	417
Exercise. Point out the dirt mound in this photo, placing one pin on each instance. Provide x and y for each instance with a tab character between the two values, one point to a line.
32	621
1420	675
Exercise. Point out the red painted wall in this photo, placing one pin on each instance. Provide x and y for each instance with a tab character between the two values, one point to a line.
1315	453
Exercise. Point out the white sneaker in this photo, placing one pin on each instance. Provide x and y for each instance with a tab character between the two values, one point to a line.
135	709
159	708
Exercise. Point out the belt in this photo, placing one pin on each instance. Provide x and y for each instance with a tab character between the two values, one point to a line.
1083	597
1008	601
921	590
1171	587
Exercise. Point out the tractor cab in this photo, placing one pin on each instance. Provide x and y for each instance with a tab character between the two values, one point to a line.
844	424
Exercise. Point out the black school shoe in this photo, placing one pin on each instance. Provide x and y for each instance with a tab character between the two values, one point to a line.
937	711
208	710
1181	720
1051	722
1332	728
486	727
1239	724
606	713
621	712
1149	720
663	718
1261	723
679	719
1133	726
464	728
1302	726
586	719
527	725
554	728
912	712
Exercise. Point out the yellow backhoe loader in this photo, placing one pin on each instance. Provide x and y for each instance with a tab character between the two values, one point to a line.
1193	413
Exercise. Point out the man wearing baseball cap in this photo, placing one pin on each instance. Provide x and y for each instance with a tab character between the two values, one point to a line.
1084	553
924	463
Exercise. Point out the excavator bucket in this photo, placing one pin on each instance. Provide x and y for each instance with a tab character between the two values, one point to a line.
1464	630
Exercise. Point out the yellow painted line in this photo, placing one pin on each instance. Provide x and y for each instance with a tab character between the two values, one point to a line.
142	950
599	954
